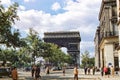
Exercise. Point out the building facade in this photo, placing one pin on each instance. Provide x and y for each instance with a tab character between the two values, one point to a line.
97	50
106	37
118	24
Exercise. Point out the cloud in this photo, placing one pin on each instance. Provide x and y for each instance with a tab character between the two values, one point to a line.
56	6
75	18
89	46
21	8
84	45
6	2
81	16
29	0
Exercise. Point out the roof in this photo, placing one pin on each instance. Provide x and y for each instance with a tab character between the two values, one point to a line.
62	34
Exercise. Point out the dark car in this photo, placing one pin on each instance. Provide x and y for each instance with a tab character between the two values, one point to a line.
56	68
5	71
27	69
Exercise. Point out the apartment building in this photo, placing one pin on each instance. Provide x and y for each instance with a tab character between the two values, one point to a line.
118	24
106	36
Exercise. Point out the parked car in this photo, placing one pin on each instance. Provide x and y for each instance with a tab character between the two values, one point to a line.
27	69
5	71
56	68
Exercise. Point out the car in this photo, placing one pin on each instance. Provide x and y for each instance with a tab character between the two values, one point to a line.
56	68
27	69
5	71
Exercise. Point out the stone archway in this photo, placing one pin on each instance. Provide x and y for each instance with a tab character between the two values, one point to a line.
70	40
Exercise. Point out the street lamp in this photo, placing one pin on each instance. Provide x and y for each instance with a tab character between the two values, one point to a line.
33	56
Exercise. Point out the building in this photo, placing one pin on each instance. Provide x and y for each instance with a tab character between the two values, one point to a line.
97	50
106	37
118	24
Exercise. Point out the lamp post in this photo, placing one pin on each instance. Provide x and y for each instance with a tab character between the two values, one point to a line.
33	56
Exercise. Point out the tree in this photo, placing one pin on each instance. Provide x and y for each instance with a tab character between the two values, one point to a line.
92	61
53	54
87	60
8	55
33	44
7	18
9	36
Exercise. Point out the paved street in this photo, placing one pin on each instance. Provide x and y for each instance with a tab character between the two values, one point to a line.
57	75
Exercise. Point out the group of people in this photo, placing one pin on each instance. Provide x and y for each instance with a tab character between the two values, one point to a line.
75	71
110	70
35	72
87	70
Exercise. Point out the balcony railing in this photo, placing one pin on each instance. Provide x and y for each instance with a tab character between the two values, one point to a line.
108	34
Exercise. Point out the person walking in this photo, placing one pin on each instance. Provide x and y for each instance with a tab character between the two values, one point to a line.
102	71
14	74
33	71
75	73
108	71
105	70
88	70
47	70
85	70
37	73
112	71
93	70
63	70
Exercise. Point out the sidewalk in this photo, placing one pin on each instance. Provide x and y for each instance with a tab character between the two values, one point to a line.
110	78
58	75
98	76
82	76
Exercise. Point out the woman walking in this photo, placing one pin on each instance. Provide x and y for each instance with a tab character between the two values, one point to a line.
14	74
75	73
37	73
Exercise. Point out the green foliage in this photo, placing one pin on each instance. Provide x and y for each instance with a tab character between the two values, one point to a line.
87	60
53	54
31	45
7	18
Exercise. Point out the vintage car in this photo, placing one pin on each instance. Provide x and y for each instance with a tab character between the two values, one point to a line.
5	71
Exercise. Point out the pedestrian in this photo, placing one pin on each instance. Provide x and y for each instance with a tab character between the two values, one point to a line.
105	70
85	70
93	70
75	73
108	71
33	71
47	70
88	70
14	74
112	71
37	73
102	71
63	70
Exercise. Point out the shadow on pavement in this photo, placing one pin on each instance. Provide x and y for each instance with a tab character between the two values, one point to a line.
58	78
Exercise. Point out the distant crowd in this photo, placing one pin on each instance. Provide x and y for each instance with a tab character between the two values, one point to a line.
36	71
105	71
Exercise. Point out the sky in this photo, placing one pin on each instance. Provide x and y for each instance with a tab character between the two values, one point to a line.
59	15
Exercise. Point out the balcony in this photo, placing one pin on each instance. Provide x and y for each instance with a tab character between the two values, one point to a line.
108	34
